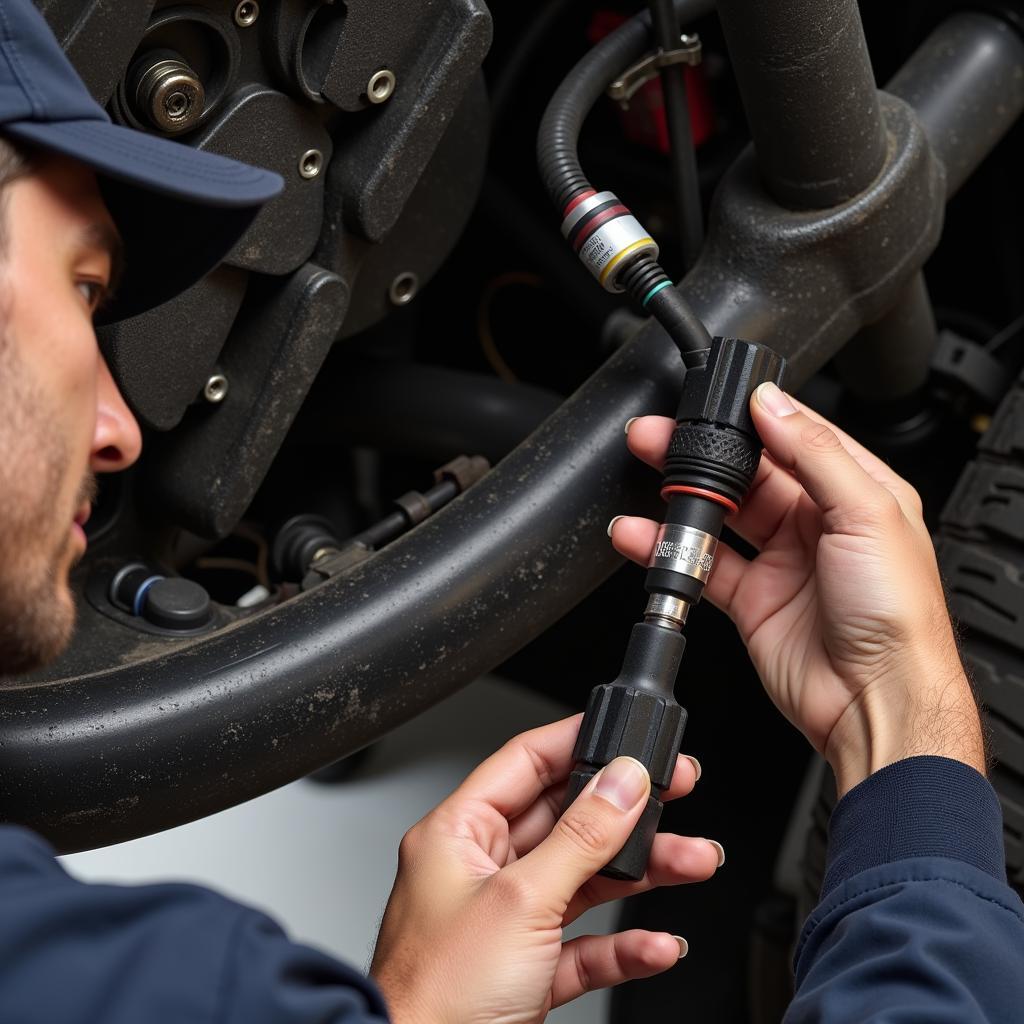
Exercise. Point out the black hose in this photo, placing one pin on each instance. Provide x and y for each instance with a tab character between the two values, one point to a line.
558	158
428	412
685	182
559	133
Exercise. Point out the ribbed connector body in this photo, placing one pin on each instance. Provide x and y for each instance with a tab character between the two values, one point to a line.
715	446
636	716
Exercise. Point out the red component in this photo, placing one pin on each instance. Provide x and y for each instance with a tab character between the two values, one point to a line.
700	493
576	200
592	225
644	122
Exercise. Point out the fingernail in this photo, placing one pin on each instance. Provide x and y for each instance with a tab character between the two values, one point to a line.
696	766
773	399
719	849
684	946
614	520
629	423
623	783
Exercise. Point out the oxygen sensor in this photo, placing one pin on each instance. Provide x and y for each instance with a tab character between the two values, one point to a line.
711	461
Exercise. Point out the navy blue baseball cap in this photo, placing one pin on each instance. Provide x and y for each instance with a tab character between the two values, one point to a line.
179	210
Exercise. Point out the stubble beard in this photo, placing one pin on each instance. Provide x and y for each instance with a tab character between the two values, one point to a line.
37	613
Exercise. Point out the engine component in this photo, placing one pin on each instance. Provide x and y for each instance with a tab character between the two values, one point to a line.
279	84
154	601
303	549
165	91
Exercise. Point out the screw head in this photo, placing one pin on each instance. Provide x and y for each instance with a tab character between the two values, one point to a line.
170	96
246	13
216	388
404	288
381	86
311	163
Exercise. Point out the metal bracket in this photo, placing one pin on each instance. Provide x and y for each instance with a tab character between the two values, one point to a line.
623	88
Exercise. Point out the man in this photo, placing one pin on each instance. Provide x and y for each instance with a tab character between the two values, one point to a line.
842	612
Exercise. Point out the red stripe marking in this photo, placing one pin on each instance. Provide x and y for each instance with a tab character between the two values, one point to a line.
701	493
592	225
576	200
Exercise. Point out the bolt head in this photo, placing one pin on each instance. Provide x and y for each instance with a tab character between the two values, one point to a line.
246	13
311	163
170	96
404	288
381	86
216	389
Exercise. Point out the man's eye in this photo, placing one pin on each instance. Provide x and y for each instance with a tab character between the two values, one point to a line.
92	292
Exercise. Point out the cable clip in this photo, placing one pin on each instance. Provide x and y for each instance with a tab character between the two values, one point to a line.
623	88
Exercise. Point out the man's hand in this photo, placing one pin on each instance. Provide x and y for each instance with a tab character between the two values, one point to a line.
487	881
842	610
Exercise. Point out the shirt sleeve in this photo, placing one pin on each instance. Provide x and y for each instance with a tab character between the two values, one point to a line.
916	921
72	953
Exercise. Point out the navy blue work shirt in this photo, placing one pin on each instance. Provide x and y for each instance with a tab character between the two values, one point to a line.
916	924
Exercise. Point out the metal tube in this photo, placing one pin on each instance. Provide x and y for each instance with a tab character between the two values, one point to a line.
966	83
685	181
890	358
809	93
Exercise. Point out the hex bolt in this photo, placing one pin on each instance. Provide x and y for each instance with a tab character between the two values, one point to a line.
246	13
381	86
216	388
311	163
169	94
404	288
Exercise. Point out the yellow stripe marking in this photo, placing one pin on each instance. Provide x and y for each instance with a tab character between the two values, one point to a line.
619	257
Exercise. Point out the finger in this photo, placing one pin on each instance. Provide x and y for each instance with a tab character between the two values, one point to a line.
586	837
512	779
675	860
904	492
536	822
773	493
837	483
592	962
648	438
633	537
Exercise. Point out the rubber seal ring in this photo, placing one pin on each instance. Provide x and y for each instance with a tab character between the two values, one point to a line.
700	492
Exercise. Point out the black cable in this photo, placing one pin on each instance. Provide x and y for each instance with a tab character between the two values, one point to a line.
558	137
685	182
566	183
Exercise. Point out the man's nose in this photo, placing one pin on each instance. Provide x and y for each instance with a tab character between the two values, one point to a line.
117	441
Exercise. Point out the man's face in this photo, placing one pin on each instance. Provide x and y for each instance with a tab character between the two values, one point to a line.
61	416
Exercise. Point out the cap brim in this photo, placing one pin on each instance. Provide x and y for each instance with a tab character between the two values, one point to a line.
180	210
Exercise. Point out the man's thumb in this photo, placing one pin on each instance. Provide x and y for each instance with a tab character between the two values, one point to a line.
590	832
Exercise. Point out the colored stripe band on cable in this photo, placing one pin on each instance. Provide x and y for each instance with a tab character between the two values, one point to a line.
576	200
700	492
654	291
593	220
616	260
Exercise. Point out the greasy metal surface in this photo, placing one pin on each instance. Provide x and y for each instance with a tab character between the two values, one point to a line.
161	387
807	86
891	358
966	82
271	359
803	282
